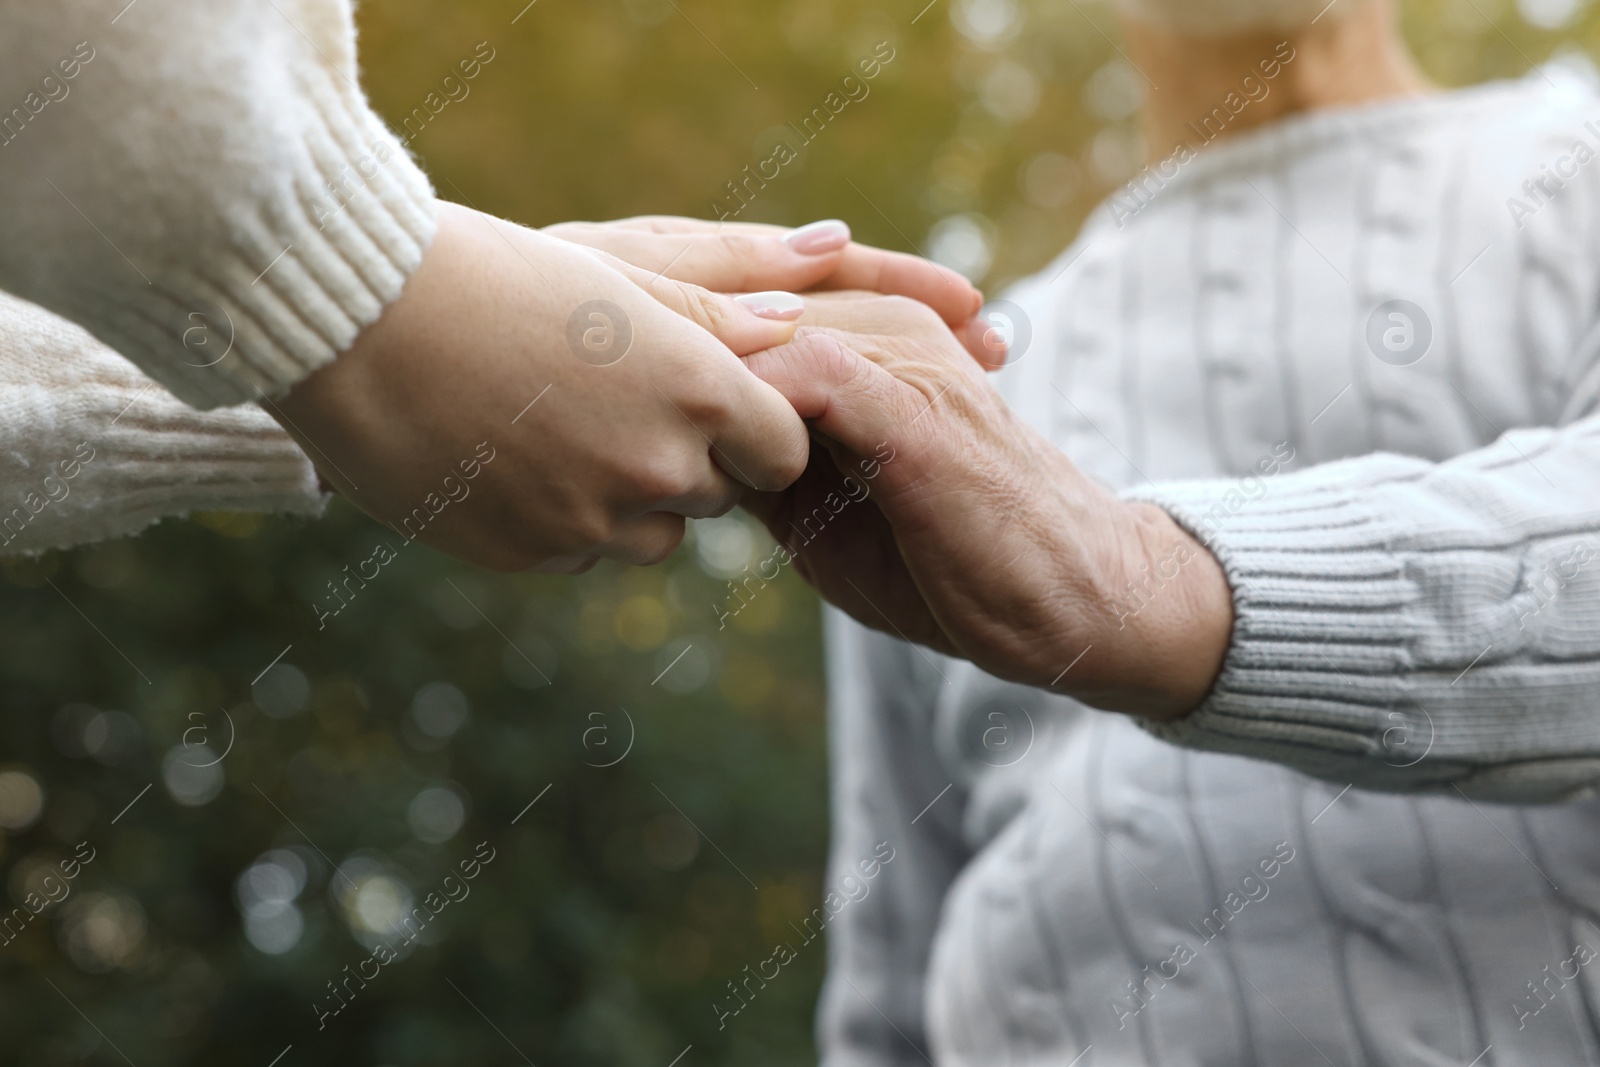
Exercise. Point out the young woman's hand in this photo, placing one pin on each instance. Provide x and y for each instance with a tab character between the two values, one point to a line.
609	415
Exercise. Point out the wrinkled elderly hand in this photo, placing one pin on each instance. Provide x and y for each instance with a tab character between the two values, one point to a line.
744	257
933	512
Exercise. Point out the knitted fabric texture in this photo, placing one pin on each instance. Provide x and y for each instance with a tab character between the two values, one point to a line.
203	186
1351	852
91	449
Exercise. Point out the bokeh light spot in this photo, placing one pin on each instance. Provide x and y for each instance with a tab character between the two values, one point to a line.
436	814
21	800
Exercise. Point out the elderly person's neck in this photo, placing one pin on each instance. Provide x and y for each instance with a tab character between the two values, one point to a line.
1346	57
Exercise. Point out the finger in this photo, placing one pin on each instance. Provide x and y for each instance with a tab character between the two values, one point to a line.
868	313
714	494
759	440
645	540
985	341
871	314
741	257
745	324
899	274
669	224
824	467
842	393
752	434
861	267
732	261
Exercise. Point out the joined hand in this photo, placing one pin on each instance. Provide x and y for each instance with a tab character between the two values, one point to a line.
593	457
976	536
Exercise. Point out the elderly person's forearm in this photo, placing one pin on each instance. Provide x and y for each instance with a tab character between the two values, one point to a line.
1404	624
982	540
1388	622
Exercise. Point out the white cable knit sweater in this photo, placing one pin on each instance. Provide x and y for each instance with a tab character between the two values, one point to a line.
203	187
1418	613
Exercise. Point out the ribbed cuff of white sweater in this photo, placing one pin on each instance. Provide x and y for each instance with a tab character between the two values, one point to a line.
1406	625
90	448
159	459
214	198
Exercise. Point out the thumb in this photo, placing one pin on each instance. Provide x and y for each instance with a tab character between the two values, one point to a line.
744	324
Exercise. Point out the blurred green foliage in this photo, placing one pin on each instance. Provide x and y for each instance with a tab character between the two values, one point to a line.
620	903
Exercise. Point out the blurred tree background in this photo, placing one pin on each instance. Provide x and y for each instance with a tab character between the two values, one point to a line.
257	831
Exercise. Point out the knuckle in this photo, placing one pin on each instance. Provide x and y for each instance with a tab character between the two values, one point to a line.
936	400
704	396
712	497
834	361
659	478
586	527
713	311
929	319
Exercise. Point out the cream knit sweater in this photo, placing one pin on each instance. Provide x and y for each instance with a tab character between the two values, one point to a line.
90	448
202	187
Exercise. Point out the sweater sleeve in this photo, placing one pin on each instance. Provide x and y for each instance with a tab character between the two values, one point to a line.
894	810
1406	625
202	185
90	448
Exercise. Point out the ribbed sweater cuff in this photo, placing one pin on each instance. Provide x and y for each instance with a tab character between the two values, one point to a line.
300	272
1287	679
1387	633
160	459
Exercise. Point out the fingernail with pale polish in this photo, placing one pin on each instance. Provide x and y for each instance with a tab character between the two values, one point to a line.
785	307
818	238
